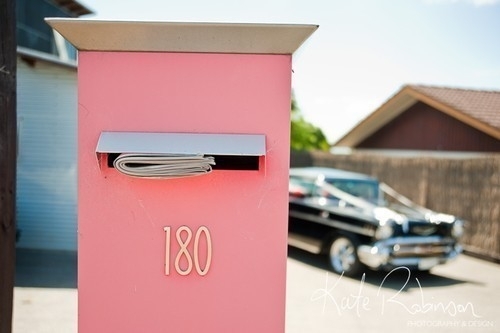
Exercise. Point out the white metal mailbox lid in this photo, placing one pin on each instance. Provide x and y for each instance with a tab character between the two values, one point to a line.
149	36
182	143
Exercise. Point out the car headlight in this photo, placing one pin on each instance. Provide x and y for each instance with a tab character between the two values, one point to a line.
457	230
384	231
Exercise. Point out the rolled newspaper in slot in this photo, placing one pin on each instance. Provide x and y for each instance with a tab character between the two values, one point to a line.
164	166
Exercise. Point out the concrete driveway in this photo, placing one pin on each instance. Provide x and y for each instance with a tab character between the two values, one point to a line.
459	297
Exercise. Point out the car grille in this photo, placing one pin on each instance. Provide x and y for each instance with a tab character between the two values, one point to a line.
421	250
423	229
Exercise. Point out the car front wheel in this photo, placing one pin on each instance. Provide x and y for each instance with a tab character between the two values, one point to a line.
343	256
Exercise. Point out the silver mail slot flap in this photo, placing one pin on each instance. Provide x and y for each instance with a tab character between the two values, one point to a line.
182	143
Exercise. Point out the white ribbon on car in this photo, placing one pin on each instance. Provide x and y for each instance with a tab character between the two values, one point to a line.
348	198
163	165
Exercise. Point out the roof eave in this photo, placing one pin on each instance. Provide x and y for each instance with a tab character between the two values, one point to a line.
392	108
396	105
457	114
74	8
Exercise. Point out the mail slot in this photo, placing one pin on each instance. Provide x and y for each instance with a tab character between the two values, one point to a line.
184	153
183	157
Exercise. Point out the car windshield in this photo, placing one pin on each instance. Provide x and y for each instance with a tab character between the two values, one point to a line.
361	193
368	190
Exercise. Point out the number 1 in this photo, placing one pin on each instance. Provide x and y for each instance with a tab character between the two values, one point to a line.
167	250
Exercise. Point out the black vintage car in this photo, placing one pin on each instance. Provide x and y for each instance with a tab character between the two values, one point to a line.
359	222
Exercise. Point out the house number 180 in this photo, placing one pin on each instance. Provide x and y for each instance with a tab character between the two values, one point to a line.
183	236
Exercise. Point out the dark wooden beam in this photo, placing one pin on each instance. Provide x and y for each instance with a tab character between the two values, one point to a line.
8	149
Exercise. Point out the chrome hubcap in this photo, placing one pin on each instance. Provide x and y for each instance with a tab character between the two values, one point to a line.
342	255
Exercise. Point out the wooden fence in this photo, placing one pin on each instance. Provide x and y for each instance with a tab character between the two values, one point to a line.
468	188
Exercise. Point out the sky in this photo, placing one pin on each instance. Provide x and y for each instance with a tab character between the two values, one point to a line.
364	51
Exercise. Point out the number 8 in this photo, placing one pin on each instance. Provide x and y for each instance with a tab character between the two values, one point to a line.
183	250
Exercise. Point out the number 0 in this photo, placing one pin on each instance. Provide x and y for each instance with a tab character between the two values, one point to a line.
205	231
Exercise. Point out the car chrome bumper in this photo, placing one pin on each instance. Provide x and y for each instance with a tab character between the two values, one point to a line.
420	253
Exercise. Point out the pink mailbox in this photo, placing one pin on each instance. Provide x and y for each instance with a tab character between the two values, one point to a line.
183	156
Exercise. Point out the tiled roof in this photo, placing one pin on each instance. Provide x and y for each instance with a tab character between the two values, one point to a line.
479	109
482	105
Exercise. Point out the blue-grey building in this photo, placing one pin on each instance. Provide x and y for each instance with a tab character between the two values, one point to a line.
47	116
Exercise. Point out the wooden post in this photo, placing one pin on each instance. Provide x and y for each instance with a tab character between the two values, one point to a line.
8	145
